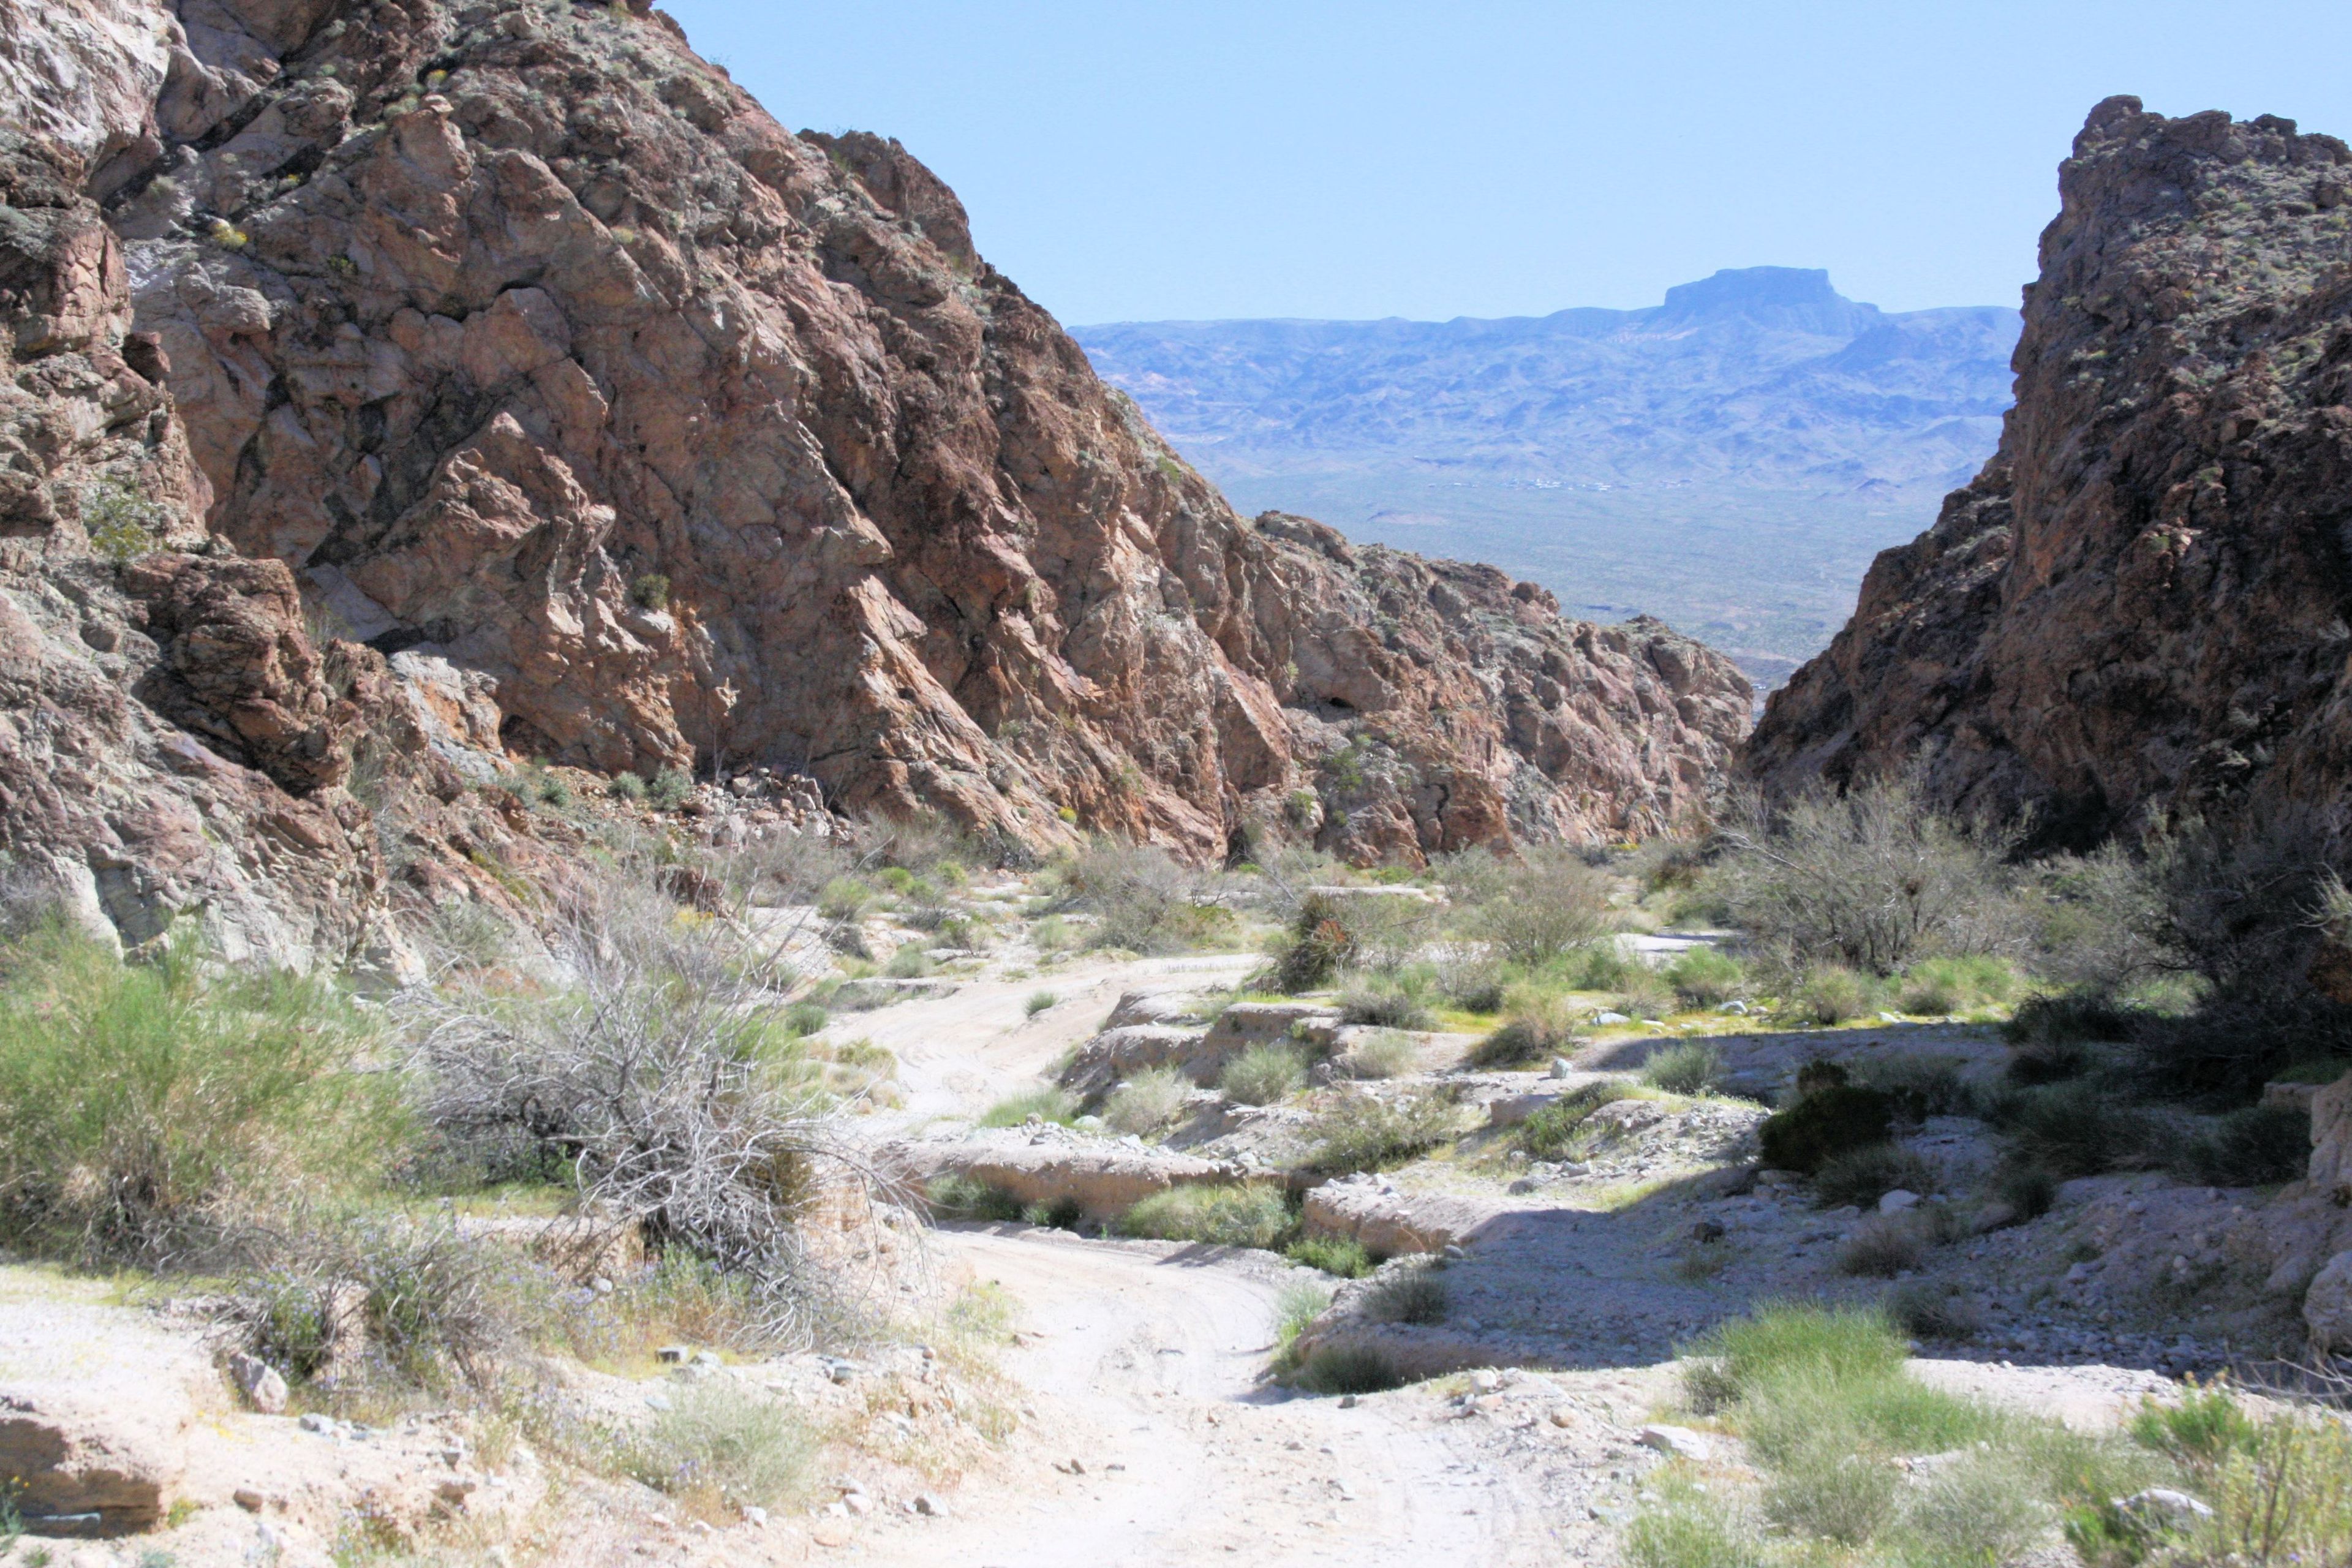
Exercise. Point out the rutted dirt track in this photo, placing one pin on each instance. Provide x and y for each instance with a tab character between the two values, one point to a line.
1144	1359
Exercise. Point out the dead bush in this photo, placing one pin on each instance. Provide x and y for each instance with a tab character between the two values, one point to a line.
1141	900
1871	879
1545	904
664	1082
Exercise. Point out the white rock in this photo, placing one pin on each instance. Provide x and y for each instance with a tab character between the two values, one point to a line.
1678	1442
2327	1307
259	1381
1610	1018
1896	1201
2178	1507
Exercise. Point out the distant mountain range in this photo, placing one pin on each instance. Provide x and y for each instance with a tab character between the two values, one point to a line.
1602	451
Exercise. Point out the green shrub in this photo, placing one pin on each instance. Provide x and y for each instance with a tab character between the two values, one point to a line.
148	1111
2201	1430
1692	1067
2253	1147
1644	994
1356	1130
2071	1018
1833	995
650	591
1681	1525
1062	1213
1862	1176
1474	987
1039	1002
1707	977
1142	900
1602	966
2027	1190
1827	1122
1556	1131
1049	1103
1407	1293
1343	1256
2077	1129
806	1017
625	786
1148	1101
1931	1312
845	900
1922	1086
1249	1215
669	789
910	963
1263	1075
1295	1308
958	1196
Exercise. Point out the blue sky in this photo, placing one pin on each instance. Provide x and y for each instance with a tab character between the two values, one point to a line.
1126	160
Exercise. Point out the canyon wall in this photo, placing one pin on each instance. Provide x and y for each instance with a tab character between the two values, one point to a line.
2139	606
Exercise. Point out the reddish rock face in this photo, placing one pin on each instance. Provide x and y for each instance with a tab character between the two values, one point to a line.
2141	603
525	339
625	429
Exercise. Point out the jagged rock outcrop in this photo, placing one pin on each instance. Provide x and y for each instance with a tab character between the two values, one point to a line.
2140	605
397	387
528	341
168	744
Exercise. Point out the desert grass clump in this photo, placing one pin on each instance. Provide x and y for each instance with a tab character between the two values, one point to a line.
1536	1028
958	1196
1923	1086
2254	1146
1692	1067
1049	1102
1358	1130
1958	984
1406	1293
1862	1176
1322	941
1707	977
1148	1101
1295	1308
720	1448
1825	1403
1557	1131
1350	1369
1255	1214
1884	1245
1833	995
1040	1002
2079	1128
149	1113
1387	1001
1264	1074
1385	1054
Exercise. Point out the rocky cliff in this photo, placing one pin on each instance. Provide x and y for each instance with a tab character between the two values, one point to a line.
2140	605
497	380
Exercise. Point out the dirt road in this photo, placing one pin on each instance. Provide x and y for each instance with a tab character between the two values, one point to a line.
1143	1360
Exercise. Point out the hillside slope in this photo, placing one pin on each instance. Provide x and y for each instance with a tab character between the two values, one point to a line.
1759	374
1729	459
2140	605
